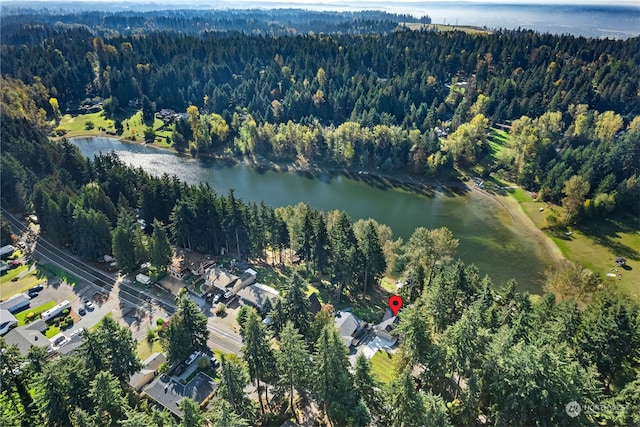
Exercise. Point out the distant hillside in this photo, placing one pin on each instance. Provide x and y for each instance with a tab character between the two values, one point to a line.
268	22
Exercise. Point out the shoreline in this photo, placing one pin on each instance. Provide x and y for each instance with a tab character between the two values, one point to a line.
507	203
520	218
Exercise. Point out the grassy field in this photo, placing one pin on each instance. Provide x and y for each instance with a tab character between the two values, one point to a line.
132	122
76	125
49	271
145	349
382	366
9	287
594	244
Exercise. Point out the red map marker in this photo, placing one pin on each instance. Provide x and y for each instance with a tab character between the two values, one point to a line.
395	304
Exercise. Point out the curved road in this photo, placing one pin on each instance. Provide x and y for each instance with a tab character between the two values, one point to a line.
220	337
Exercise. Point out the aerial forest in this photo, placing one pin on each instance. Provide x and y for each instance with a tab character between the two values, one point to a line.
366	93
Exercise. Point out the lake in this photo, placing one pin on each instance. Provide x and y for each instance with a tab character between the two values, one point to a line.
486	232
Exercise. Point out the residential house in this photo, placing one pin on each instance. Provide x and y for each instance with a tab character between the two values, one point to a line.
27	336
257	296
16	303
219	278
7	321
348	325
167	392
384	329
148	372
246	278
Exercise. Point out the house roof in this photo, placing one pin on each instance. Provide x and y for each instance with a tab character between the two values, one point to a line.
7	319
257	294
148	371
314	304
347	324
15	302
168	392
220	278
388	324
25	337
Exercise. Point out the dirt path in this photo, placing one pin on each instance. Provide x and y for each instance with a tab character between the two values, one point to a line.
522	220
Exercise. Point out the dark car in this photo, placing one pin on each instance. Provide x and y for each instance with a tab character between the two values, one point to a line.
82	311
33	292
179	369
214	362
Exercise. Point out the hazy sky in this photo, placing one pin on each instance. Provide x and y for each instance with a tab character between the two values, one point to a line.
328	3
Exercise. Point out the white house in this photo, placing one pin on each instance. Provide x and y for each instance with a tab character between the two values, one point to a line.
7	321
347	324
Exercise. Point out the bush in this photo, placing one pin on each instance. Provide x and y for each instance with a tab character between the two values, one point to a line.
160	321
65	312
221	310
163	368
151	335
88	125
61	131
30	316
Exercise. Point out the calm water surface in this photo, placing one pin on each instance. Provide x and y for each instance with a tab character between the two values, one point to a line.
487	236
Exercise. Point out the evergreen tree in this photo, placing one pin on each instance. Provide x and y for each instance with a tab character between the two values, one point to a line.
332	379
257	352
109	404
233	381
296	304
187	330
291	361
191	414
160	250
127	245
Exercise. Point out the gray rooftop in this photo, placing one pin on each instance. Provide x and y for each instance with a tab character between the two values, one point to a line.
168	392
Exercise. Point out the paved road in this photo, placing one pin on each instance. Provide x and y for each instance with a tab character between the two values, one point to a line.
221	336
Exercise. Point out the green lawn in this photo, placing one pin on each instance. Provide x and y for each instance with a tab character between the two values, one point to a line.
133	126
594	244
76	125
382	366
145	349
22	316
276	277
8	287
50	271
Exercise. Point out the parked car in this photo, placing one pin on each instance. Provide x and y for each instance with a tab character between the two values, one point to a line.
214	362
90	306
216	298
33	292
179	369
82	311
192	357
228	294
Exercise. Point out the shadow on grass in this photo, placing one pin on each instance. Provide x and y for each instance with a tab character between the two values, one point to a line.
49	271
604	231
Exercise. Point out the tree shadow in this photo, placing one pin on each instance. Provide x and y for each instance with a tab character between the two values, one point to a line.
606	231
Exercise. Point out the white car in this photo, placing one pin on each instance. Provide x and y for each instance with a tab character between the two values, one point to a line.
192	357
90	305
